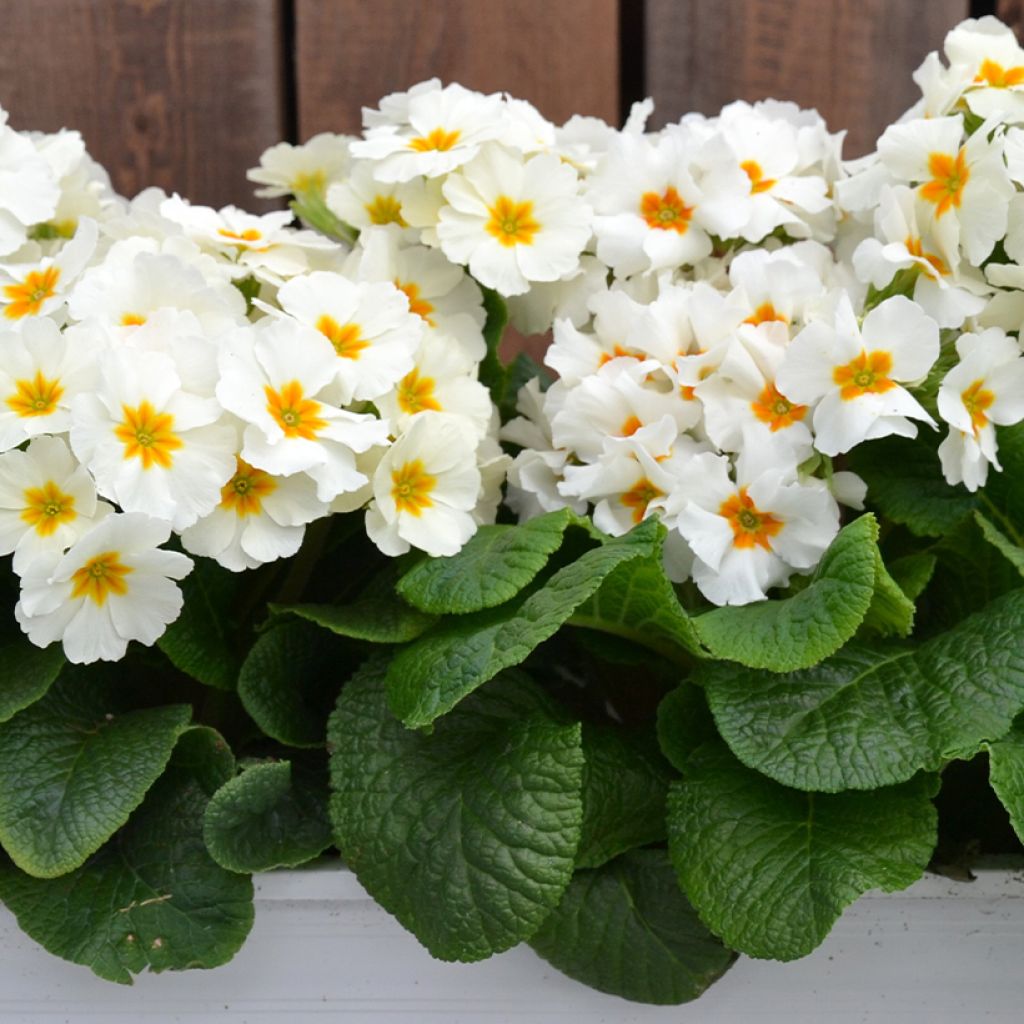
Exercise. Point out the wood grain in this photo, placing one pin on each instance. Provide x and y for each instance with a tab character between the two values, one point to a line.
562	55
184	94
851	59
1012	12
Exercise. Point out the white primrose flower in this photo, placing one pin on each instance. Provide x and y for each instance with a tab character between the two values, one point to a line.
362	200
753	535
286	169
988	51
852	374
274	377
512	222
114	585
28	189
369	325
260	518
785	285
426	488
985	389
151	445
40	288
429	131
967	183
42	370
47	501
650	212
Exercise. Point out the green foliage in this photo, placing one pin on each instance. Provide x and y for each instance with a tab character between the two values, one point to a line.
798	631
73	766
626	928
26	673
152	897
272	815
769	869
1006	774
873	716
481	817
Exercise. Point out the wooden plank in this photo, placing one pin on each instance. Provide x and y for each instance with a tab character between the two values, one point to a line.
1012	12
852	59
184	94
562	55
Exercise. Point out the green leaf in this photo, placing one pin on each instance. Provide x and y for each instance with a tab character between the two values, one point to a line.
430	676
152	896
270	816
913	573
684	723
891	612
201	641
770	869
290	680
627	929
378	619
637	602
625	782
874	715
467	835
311	207
1006	547
494	566
906	485
1006	775
27	673
73	766
494	373
798	631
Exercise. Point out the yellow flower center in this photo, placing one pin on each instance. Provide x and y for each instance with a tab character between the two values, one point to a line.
867	374
46	508
949	177
639	496
148	435
766	313
295	414
243	494
776	410
419	306
386	210
347	340
758	182
132	320
248	235
938	265
416	393
750	526
667	211
411	487
998	77
35	397
99	577
27	297
438	139
308	181
512	223
977	400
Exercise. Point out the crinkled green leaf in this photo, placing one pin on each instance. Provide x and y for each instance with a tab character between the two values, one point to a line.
906	485
627	929
270	816
467	835
874	715
636	601
493	372
1010	550
379	619
913	573
684	723
201	642
1006	775
26	673
152	897
625	782
290	680
769	869
430	676
891	612
798	631
73	766
495	565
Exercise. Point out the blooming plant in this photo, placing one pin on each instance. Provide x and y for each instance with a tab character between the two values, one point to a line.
752	594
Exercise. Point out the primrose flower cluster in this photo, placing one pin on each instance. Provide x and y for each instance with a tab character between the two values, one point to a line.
225	377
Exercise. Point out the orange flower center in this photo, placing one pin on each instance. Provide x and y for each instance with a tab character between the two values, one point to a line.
998	77
666	212
27	297
248	235
512	223
416	393
938	265
630	426
347	340
639	496
132	320
977	400
419	306
776	410
411	487
386	210
148	435
750	526
867	374
758	182
244	492
35	397
438	139
46	508
765	313
295	414
949	177
100	577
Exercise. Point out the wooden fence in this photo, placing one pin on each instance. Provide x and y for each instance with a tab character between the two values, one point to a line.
186	94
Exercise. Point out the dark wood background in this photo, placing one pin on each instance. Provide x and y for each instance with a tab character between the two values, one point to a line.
186	94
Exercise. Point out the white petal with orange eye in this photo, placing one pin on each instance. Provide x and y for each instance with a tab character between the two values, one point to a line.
900	327
905	148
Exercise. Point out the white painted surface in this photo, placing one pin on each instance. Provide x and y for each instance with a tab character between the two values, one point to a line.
321	951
